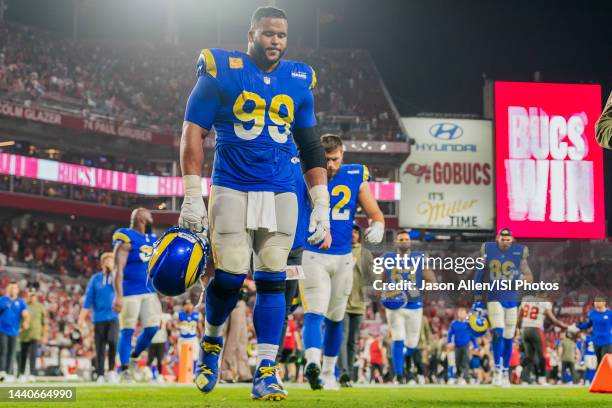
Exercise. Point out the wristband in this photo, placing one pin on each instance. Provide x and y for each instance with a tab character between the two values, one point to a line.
192	185
319	195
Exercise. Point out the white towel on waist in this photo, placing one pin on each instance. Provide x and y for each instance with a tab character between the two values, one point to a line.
261	210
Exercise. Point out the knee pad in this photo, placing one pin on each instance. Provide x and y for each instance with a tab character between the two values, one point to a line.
270	282
226	284
273	257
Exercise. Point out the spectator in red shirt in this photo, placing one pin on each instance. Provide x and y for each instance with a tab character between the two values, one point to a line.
291	347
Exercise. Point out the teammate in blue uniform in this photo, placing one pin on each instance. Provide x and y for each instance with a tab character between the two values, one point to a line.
505	262
329	273
599	320
294	261
404	308
589	358
259	105
135	298
190	328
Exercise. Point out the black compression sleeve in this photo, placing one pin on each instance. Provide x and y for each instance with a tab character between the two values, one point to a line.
309	145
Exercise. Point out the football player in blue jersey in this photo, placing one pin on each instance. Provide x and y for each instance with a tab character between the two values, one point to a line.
404	308
134	296
190	328
259	105
329	273
505	262
589	358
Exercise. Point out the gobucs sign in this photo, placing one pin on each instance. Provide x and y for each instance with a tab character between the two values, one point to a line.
447	182
549	168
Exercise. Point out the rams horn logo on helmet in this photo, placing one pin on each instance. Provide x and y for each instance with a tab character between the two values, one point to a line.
478	324
179	258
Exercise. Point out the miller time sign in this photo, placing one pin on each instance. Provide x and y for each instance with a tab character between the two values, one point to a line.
447	182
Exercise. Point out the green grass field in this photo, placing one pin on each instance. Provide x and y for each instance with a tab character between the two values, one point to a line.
379	397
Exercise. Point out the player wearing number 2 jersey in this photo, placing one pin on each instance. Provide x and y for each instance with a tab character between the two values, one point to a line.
533	311
329	274
259	105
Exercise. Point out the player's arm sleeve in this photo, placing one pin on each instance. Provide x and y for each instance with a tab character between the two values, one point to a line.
203	102
89	295
121	236
474	343
451	331
585	324
603	126
308	143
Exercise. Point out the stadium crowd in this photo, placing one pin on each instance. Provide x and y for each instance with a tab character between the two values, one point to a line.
69	255
97	79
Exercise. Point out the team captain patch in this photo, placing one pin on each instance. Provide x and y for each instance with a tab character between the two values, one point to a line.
235	63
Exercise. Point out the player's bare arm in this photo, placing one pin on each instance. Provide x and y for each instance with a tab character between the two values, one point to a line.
429	276
375	233
120	256
193	211
526	271
553	319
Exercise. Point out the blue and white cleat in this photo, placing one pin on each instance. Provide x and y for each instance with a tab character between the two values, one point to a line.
266	386
207	370
313	375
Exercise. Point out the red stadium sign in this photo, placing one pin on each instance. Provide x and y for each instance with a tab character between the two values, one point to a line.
107	127
549	168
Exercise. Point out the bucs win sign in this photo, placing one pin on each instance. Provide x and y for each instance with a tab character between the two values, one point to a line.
549	170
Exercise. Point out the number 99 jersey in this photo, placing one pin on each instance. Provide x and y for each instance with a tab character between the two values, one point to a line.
343	200
253	113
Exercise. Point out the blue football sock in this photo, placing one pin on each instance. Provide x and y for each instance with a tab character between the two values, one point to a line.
507	353
269	312
497	345
222	294
125	346
312	332
332	338
397	354
144	340
589	374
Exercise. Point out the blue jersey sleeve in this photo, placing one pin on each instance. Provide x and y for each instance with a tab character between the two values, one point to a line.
204	102
205	98
451	331
586	324
474	343
122	235
89	294
366	174
305	114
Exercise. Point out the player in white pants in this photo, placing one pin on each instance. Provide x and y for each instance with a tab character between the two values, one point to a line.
405	317
329	273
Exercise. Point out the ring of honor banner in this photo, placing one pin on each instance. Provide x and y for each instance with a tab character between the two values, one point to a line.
549	168
447	182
